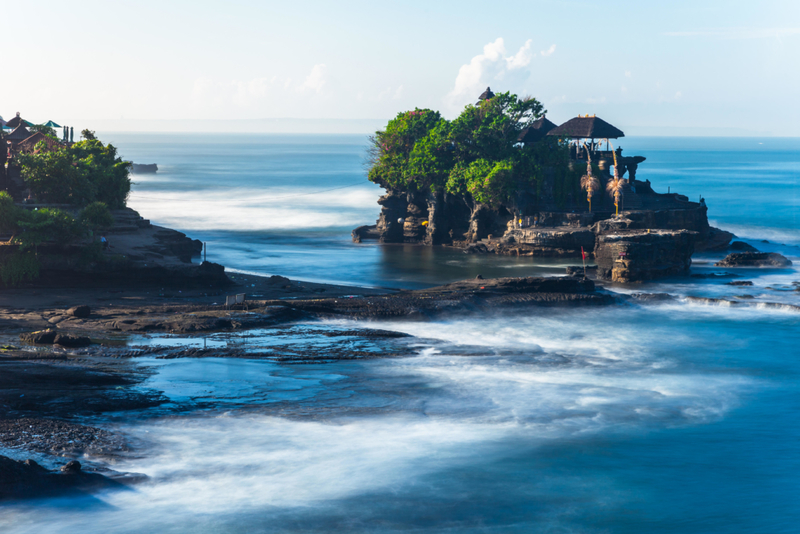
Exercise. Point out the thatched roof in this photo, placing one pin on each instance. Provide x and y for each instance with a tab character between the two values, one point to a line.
16	121
29	144
536	131
587	128
486	95
20	133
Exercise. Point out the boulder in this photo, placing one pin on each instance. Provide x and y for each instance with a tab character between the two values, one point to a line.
68	340
42	337
754	259
740	283
82	311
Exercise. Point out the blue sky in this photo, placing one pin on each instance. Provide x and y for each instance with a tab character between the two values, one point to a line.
681	67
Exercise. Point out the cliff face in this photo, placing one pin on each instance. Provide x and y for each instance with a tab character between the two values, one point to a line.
138	253
638	255
653	239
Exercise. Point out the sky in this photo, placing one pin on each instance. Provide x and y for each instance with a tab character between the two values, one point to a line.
651	68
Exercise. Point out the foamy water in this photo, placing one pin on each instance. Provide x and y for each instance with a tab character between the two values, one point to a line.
676	416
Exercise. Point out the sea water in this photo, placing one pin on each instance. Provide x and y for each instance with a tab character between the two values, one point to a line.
675	417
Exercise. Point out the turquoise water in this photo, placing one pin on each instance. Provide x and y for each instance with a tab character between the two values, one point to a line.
677	417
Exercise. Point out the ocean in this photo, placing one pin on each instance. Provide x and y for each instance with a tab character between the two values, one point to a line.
675	417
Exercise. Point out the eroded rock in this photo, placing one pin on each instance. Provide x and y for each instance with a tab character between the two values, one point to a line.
754	259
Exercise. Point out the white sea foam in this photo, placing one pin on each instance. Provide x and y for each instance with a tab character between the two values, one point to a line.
257	209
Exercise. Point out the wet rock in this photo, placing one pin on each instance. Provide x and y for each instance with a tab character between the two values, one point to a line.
741	246
80	311
477	248
577	270
740	283
25	480
42	337
715	275
638	255
73	466
69	340
754	259
653	297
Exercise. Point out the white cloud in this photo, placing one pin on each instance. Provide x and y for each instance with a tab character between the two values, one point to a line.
678	95
627	74
737	33
549	51
521	58
491	66
399	93
316	79
624	89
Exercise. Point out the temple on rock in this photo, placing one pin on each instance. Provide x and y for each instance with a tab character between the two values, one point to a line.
592	201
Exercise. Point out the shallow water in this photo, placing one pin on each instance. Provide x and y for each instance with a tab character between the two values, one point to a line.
676	417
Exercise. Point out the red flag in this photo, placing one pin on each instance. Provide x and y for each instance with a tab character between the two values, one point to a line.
583	254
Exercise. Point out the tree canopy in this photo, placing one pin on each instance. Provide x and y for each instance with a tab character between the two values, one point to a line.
86	172
476	154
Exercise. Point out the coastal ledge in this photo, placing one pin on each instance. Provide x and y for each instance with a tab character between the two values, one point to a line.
463	296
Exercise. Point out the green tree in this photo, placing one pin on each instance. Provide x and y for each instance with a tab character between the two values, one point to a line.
85	172
88	134
105	170
96	216
46	226
391	148
9	213
54	178
476	155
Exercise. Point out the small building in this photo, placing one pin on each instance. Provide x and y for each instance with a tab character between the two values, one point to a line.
486	95
17	121
28	145
536	131
19	134
587	128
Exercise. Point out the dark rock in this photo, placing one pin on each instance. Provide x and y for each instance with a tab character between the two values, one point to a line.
741	246
740	283
42	337
479	277
68	340
653	297
25	480
80	311
144	168
713	239
367	232
754	259
715	275
73	466
576	270
477	248
279	280
636	255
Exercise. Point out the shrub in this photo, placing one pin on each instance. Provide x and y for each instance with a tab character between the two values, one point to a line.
18	267
9	213
96	216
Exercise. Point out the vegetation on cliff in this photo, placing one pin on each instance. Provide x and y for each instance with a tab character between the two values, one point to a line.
477	155
31	228
85	172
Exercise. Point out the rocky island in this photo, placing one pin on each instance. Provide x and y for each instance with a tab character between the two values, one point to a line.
501	178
